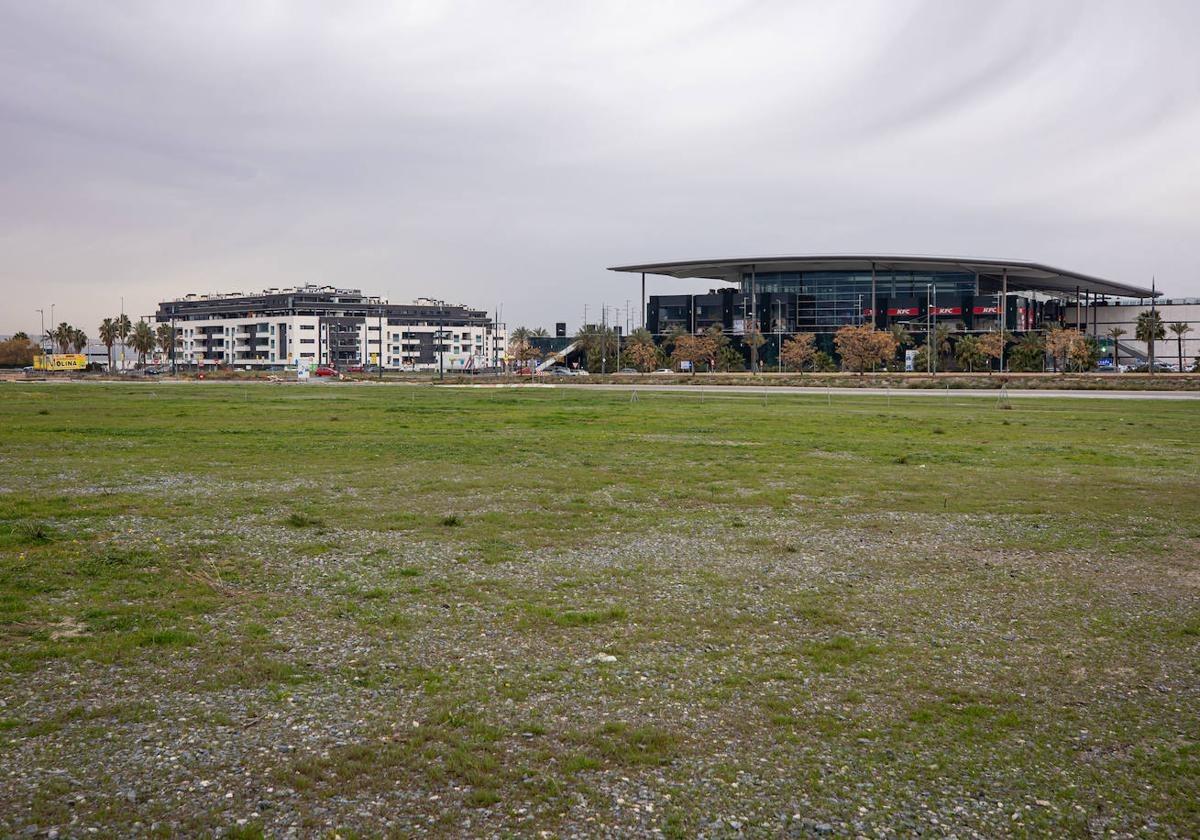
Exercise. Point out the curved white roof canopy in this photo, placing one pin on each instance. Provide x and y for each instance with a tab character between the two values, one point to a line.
1022	275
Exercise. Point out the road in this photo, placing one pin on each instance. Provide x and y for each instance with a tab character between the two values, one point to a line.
942	393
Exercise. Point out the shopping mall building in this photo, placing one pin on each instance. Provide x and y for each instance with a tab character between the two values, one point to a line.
821	294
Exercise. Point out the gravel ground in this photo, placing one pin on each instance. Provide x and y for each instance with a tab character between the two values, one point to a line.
710	652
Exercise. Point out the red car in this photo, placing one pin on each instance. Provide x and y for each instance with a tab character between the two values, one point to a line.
355	369
326	371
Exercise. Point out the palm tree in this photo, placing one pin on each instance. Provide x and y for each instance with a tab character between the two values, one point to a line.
124	328
598	344
903	338
969	353
108	335
641	335
519	334
1150	329
142	340
539	332
165	336
79	339
1115	334
941	343
1180	328
62	336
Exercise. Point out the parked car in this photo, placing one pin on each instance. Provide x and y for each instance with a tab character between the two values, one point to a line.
664	370
324	370
356	368
559	370
1159	367
525	371
628	370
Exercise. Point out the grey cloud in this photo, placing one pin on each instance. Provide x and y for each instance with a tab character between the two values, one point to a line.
505	153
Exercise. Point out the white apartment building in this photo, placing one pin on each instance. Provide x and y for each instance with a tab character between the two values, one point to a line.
324	325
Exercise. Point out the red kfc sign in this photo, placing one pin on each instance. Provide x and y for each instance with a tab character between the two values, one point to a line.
947	310
986	310
906	310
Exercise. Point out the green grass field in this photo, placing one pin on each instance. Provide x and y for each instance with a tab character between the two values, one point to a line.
367	610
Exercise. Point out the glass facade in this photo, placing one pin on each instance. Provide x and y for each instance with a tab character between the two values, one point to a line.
827	300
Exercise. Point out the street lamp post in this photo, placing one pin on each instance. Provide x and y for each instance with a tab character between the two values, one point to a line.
929	328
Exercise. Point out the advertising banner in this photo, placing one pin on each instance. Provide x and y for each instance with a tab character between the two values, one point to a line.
60	361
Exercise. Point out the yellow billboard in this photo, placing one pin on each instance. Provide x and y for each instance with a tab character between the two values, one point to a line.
60	361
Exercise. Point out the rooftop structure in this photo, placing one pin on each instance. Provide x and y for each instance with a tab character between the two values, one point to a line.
1021	275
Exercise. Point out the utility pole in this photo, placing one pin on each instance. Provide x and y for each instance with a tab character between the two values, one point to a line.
643	300
754	320
42	337
603	338
1003	314
619	334
874	304
379	357
933	357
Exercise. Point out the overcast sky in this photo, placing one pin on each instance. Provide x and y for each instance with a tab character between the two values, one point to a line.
505	153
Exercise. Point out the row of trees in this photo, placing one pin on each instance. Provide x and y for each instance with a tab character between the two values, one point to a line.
141	337
861	348
1150	329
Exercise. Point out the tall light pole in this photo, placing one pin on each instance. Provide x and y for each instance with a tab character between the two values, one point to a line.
1153	324
929	328
603	338
42	337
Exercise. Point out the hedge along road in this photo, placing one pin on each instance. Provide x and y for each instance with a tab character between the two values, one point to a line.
990	393
757	390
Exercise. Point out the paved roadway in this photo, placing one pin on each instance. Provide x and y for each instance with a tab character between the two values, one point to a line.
990	393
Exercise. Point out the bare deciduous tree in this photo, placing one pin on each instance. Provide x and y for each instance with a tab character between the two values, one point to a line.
799	351
863	346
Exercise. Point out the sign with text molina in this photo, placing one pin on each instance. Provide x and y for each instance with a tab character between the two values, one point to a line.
60	361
